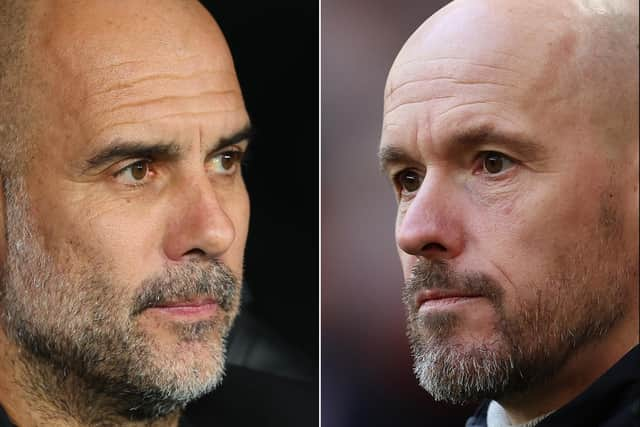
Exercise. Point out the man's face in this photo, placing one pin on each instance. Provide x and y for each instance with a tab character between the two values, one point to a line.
126	233
517	222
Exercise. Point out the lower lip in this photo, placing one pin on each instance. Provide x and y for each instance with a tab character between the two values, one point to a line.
198	311
445	303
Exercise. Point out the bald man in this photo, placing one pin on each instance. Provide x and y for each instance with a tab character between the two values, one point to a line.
510	137
124	213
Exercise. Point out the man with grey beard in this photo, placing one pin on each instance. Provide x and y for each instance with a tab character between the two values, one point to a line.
123	210
510	136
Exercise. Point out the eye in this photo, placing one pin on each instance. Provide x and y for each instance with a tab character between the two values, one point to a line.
494	163
226	163
408	181
134	173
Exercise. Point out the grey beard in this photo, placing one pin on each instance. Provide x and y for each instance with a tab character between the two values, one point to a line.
80	349
525	350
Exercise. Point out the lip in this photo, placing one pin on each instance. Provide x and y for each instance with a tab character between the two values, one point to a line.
438	298
193	309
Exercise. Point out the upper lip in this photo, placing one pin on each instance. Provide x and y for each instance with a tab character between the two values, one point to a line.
434	294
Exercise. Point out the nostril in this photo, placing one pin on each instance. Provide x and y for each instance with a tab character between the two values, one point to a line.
196	252
434	247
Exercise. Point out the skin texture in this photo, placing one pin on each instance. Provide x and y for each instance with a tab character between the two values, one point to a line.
547	242
83	246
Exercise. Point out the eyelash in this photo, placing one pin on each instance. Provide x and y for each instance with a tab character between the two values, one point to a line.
479	168
238	154
129	166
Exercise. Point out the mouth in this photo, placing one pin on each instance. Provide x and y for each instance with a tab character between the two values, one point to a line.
192	309
435	298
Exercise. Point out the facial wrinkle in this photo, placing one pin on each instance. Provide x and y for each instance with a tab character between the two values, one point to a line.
163	99
533	340
467	104
193	114
82	356
123	84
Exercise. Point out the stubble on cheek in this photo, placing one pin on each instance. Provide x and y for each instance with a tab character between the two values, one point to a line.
538	328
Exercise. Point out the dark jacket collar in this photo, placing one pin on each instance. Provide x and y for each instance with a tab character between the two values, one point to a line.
613	400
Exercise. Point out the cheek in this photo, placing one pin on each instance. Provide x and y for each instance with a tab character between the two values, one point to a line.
407	262
238	209
536	238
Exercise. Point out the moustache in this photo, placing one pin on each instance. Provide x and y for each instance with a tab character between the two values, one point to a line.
436	274
212	279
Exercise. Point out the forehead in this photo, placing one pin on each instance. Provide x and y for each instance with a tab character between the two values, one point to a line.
95	33
469	62
108	61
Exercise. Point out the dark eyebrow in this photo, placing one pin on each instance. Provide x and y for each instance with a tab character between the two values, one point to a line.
121	149
466	139
245	134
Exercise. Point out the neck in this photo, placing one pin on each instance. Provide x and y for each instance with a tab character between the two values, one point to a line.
33	393
582	369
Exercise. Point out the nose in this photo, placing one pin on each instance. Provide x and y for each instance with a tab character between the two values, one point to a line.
431	225
201	225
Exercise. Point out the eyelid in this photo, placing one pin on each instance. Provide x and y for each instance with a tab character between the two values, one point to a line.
479	163
236	154
235	147
118	174
397	185
128	163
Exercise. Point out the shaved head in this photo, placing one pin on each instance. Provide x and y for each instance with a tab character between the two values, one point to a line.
36	54
583	54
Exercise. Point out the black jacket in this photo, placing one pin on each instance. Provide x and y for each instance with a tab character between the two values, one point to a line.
612	401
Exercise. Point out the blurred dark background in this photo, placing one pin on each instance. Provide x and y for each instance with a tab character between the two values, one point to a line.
275	49
367	378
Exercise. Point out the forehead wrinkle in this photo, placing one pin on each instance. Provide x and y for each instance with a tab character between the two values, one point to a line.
159	100
427	80
418	101
407	95
122	84
191	114
439	79
423	68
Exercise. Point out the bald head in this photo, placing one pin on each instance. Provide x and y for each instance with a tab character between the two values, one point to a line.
70	53
570	62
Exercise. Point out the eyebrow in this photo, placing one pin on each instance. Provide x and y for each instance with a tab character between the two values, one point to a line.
469	138
391	155
161	150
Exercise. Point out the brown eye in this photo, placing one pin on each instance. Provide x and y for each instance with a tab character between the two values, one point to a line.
139	170
494	163
136	173
228	160
226	163
409	181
